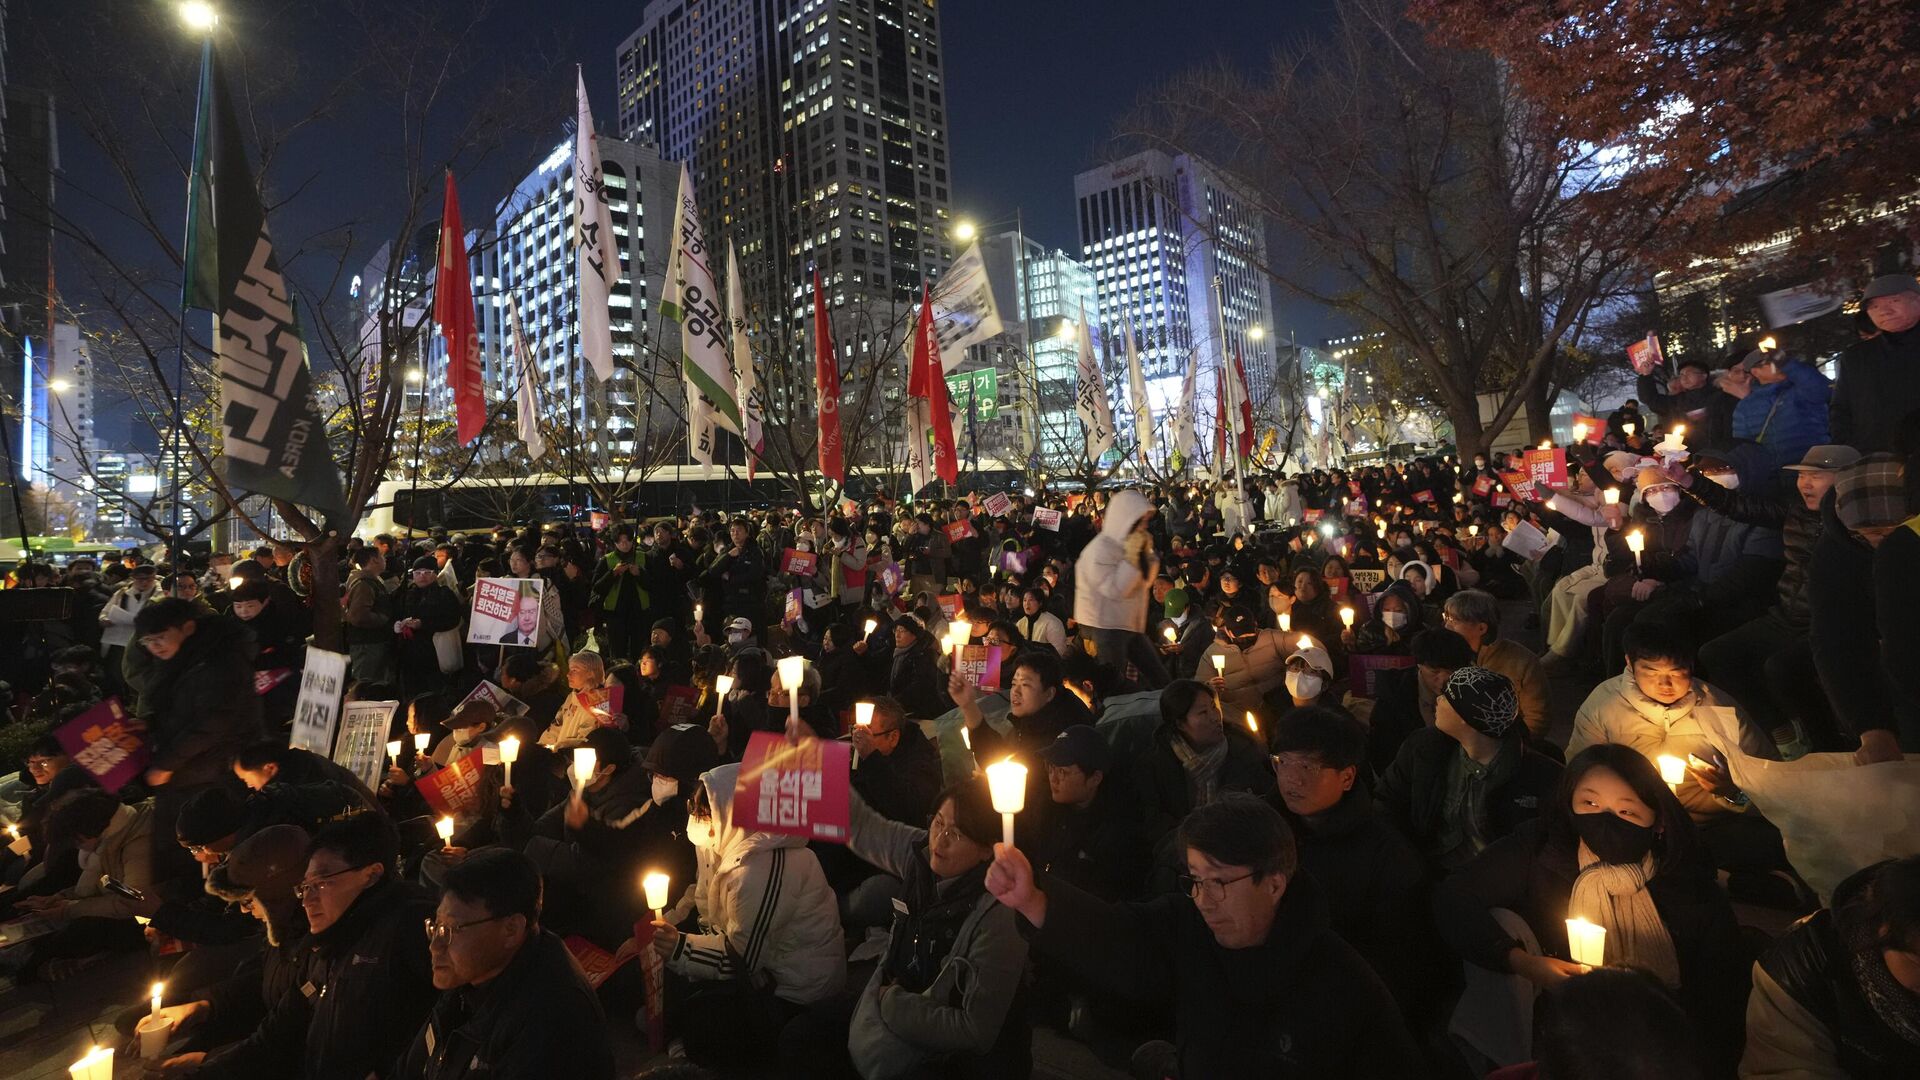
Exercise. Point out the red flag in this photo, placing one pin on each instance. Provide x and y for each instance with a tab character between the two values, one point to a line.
453	310
826	387
1246	405
929	381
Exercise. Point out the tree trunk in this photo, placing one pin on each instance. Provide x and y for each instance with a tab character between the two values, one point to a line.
1539	398
1469	437
324	555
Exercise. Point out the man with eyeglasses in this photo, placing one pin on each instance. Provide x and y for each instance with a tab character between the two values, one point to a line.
899	772
366	923
1259	983
513	1004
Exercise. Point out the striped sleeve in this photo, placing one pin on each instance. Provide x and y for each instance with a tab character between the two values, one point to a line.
737	949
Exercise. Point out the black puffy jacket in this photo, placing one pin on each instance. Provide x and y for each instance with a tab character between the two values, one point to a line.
201	706
1799	532
377	985
538	1018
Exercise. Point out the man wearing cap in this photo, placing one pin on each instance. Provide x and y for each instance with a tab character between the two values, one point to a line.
1783	402
1862	600
423	608
1255	660
1766	663
254	1023
1092	838
1880	377
1463	783
116	622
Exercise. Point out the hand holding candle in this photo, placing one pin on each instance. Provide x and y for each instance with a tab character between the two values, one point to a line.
655	886
445	828
584	761
722	686
1636	543
1007	784
1586	942
1346	617
1672	769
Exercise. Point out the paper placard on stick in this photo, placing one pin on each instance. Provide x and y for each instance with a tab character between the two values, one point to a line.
362	747
998	504
795	789
1482	484
454	791
1547	467
503	703
104	742
959	530
980	665
506	611
795	561
321	686
1046	518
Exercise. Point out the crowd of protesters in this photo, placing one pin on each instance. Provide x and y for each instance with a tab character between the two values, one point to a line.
1297	804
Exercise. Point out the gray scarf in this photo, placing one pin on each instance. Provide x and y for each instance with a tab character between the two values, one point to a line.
1203	768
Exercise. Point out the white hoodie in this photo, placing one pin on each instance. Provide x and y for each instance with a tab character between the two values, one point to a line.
765	907
1109	590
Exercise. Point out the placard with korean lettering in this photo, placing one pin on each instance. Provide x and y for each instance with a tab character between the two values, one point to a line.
1046	518
1548	467
998	504
980	665
362	748
322	685
455	791
106	743
506	611
797	789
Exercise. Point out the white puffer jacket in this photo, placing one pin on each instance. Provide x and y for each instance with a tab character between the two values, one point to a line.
1109	588
765	909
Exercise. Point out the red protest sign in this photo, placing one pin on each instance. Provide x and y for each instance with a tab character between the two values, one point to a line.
1046	518
1312	515
599	520
454	791
1547	467
998	504
1423	496
1518	484
1644	355
1353	487
980	665
676	707
104	741
949	605
794	561
265	681
1482	484
959	530
797	789
1363	670
596	963
1592	429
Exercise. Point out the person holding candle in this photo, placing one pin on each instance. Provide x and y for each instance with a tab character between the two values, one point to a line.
513	1003
899	772
1258	982
1039	708
1194	759
1614	847
1190	636
765	941
1393	619
915	1011
1783	403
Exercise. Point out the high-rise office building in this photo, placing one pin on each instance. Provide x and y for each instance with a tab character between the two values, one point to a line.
816	134
1157	230
56	418
1041	295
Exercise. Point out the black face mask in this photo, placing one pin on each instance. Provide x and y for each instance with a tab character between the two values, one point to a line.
1614	839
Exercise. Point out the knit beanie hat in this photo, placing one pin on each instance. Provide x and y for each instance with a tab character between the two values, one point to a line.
1483	698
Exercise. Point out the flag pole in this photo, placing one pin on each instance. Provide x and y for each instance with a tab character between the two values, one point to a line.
200	131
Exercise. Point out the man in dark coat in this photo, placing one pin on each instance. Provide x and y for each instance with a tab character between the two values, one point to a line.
513	1003
1880	377
423	607
899	773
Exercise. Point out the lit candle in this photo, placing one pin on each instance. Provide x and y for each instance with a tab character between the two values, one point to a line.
421	740
1636	543
698	611
655	886
1579	433
584	760
1219	664
1672	769
1286	622
393	751
1546	444
1252	724
96	1065
509	753
1610	496
862	717
1172	635
234	582
959	632
722	686
159	989
872	625
1679	431
1007	784
1586	942
1346	617
445	828
793	670
1629	428
966	737
1473	530
1306	642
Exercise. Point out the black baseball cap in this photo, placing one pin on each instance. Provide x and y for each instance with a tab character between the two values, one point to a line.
682	752
1080	745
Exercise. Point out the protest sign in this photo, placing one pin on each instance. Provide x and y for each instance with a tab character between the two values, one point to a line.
104	742
998	504
1526	540
795	561
503	703
599	520
1592	428
596	963
1046	518
265	681
1423	496
1313	515
1644	355
362	748
455	790
506	611
1482	484
795	789
1548	467
1357	506
980	665
790	612
583	711
949	605
1363	670
1518	483
1014	562
959	530
314	715
891	578
1366	580
676	707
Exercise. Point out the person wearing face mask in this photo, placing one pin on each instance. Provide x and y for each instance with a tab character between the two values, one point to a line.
1612	846
762	938
1310	678
1860	582
1458	786
1196	757
1838	996
1397	615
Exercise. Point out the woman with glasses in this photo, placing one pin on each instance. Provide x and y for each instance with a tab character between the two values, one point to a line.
944	1000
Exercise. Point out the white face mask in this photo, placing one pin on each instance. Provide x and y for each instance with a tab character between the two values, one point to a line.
700	832
1729	481
1396	620
1664	500
467	736
1304	684
89	860
664	788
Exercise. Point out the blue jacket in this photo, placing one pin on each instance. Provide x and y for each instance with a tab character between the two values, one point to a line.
1787	417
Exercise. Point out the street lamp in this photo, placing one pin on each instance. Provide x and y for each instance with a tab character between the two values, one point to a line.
60	386
199	16
1256	333
964	230
416	376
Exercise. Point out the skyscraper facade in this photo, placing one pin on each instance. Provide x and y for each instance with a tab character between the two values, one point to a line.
1157	231
1042	294
816	134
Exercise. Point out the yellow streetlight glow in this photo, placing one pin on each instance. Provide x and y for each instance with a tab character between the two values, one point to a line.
964	231
60	386
415	375
1256	333
199	15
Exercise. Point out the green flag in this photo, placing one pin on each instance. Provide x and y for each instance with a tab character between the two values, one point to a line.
273	440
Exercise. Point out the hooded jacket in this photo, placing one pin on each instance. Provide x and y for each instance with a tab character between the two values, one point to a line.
1617	711
1110	587
767	914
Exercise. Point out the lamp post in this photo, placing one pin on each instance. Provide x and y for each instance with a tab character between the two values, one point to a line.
201	18
417	379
